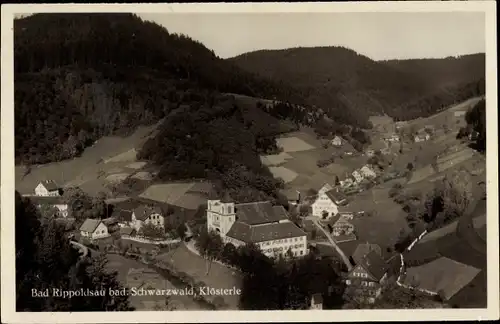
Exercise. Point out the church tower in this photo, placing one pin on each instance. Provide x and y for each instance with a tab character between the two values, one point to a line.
221	215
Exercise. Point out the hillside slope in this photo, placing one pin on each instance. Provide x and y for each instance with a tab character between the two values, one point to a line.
352	86
82	76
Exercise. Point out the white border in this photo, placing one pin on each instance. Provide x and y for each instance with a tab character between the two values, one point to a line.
7	177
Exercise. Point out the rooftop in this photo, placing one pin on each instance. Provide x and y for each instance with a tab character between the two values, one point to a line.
50	185
259	213
363	250
336	196
90	225
266	232
374	264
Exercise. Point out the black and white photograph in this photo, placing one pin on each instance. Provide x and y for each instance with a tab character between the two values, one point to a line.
190	159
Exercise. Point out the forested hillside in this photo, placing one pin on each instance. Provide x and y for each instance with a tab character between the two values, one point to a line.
350	86
81	76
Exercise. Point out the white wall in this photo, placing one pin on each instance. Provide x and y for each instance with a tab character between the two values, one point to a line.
323	203
156	220
100	232
220	217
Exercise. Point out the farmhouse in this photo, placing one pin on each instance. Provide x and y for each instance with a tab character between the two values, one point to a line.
57	202
259	223
48	188
341	226
147	215
364	282
327	202
336	141
93	229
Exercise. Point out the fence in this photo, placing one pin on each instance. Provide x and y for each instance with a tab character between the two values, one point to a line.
402	270
149	241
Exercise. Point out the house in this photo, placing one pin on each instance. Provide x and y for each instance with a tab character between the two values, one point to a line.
358	177
370	153
367	172
393	138
366	279
48	188
127	231
123	217
93	229
348	182
316	302
147	215
336	141
57	202
259	223
112	224
364	249
327	202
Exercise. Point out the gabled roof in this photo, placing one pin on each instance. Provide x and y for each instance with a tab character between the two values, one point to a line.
110	221
143	212
336	196
374	265
50	185
364	249
90	225
259	213
265	232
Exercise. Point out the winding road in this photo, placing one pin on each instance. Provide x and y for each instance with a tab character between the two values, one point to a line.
334	245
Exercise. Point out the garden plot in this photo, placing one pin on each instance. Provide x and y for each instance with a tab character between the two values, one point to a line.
441	275
136	165
276	159
293	144
283	173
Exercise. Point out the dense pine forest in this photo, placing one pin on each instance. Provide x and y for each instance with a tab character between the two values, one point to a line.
81	76
350	86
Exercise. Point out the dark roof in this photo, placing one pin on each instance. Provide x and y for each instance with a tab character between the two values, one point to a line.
127	230
143	212
259	213
336	196
47	200
110	221
325	250
345	238
90	225
264	232
375	265
50	185
364	249
122	215
290	194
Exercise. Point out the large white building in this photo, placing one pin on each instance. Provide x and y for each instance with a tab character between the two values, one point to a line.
259	223
47	188
328	202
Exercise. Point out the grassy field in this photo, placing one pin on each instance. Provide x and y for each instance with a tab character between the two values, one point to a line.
195	266
87	171
123	266
283	173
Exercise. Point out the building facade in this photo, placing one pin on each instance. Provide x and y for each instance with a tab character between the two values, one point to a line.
259	223
94	229
147	215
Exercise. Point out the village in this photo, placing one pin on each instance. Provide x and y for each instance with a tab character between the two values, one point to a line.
342	210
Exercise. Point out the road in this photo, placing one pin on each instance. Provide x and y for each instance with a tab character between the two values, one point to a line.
334	245
83	249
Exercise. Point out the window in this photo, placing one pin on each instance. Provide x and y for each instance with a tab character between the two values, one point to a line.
301	252
371	284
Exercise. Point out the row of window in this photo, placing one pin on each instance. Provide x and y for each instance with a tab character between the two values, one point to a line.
289	240
360	275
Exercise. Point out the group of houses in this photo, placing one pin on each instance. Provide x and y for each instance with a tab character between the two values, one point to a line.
127	219
366	172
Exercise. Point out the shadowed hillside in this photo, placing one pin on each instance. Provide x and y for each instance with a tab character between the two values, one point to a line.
351	86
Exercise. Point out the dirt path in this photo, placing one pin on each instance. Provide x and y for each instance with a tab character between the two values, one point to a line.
335	246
